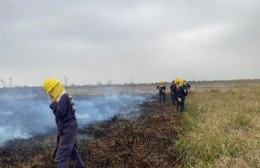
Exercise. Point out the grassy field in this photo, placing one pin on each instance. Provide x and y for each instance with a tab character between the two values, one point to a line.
219	129
221	125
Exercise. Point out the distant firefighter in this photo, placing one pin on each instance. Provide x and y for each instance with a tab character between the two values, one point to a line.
186	87
173	93
162	89
180	96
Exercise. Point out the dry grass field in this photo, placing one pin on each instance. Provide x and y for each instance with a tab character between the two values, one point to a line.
221	126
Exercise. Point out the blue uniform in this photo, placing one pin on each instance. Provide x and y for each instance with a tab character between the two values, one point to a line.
186	88
180	93
173	94
162	89
64	111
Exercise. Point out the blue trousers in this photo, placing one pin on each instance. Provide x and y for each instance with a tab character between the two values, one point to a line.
161	97
180	105
67	148
173	98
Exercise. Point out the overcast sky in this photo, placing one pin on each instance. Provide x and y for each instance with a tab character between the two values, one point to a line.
146	40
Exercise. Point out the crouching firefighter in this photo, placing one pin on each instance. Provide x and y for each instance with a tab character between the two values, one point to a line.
162	89
64	110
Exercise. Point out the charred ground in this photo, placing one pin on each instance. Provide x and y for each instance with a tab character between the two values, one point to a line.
144	142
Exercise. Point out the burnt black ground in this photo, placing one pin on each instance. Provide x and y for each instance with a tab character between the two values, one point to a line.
148	141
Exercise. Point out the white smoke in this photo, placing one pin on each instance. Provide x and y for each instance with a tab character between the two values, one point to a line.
25	112
104	107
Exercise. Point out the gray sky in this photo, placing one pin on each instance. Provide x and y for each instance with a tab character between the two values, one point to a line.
148	40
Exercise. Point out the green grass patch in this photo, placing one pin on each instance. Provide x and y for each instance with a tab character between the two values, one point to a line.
221	127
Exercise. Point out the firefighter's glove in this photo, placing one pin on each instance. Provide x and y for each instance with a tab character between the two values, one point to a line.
179	99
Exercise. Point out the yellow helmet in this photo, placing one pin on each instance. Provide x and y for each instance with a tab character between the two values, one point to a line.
161	82
49	84
53	87
179	80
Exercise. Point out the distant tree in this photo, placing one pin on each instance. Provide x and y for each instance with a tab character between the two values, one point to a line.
11	82
99	83
109	82
66	80
3	82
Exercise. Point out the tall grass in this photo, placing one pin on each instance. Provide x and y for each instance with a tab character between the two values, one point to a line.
221	126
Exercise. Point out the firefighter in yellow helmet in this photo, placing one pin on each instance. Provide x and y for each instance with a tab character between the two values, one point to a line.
182	88
180	96
64	110
162	89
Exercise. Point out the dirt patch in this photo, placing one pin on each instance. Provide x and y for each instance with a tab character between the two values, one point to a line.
145	142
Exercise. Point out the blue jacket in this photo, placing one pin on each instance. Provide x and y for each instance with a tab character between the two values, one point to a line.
186	88
64	111
161	89
173	89
180	93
